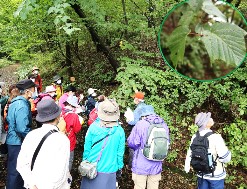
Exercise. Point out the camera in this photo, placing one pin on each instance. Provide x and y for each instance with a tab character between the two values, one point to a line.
87	169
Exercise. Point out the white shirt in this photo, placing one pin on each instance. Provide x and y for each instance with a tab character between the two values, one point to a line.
217	147
51	167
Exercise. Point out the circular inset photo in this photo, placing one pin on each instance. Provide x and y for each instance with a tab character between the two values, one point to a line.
203	39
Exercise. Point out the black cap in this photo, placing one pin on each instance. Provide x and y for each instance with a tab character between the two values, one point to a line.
71	88
31	76
56	77
25	84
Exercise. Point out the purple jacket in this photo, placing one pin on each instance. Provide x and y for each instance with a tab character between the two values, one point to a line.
136	141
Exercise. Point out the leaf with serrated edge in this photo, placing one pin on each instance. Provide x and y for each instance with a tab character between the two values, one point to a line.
176	44
211	9
224	41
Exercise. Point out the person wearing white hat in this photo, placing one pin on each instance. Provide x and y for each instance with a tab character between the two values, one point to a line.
90	103
91	92
57	83
73	124
38	79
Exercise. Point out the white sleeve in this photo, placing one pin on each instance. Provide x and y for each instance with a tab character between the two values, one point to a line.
188	157
23	164
57	175
222	150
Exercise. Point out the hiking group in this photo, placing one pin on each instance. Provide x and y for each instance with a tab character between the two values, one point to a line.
41	156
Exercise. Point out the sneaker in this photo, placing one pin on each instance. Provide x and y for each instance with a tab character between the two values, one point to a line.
117	187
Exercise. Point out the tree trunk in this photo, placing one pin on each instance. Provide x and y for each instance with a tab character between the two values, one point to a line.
96	39
125	17
68	59
151	22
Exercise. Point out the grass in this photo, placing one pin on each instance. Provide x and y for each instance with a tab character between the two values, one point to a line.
4	62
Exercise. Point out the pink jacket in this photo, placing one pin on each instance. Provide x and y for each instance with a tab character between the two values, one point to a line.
63	99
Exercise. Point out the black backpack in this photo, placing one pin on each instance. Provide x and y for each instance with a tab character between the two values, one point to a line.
201	158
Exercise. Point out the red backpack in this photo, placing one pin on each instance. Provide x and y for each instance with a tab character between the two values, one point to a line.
92	116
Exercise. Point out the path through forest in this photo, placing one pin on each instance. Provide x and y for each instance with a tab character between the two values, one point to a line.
172	176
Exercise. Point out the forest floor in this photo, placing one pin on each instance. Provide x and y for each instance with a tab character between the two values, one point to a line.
173	176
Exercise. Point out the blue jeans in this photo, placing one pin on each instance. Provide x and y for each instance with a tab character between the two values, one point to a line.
210	184
14	179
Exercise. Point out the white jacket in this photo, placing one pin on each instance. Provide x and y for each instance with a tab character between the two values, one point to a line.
51	168
218	147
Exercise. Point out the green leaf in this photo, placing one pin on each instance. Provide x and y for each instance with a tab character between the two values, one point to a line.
51	9
68	30
65	18
64	5
211	9
224	41
176	44
185	20
17	12
195	5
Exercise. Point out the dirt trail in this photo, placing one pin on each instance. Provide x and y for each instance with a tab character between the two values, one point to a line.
8	75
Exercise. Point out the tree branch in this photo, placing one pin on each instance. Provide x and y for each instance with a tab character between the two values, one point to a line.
95	37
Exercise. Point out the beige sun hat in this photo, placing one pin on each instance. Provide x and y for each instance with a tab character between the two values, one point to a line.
108	110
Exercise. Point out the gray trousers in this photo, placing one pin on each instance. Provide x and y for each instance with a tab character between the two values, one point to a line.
71	159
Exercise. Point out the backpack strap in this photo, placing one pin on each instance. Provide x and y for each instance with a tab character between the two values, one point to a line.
208	134
100	140
201	138
39	146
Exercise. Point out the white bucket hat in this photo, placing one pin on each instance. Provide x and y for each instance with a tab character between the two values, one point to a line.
73	101
91	92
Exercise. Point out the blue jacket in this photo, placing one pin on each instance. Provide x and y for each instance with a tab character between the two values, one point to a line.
137	113
19	119
90	104
137	139
112	155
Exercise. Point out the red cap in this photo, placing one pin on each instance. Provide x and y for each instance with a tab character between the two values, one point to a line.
139	95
